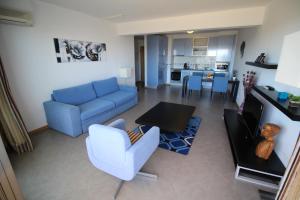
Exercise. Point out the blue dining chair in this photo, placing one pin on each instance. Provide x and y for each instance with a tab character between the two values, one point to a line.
195	83
218	74
220	84
198	74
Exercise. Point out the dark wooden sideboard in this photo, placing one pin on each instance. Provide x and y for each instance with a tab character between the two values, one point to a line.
249	167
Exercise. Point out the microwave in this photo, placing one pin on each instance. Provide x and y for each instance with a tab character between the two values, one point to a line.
221	66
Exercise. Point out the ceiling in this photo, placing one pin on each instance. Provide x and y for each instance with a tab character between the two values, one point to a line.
132	10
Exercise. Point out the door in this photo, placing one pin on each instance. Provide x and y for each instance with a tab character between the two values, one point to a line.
142	64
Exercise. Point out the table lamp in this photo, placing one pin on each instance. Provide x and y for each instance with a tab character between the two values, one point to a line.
125	73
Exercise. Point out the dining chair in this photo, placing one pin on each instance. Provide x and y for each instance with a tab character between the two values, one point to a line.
218	74
198	74
195	83
220	84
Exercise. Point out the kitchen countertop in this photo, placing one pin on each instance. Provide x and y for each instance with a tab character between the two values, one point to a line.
201	69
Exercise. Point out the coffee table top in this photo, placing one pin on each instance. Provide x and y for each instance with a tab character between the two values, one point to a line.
167	116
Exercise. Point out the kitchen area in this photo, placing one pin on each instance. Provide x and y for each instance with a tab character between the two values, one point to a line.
209	54
171	57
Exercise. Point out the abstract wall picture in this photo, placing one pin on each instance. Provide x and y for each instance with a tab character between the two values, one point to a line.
79	51
242	48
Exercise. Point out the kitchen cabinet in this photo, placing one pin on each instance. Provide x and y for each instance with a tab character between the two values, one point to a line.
188	47
156	60
200	46
178	47
183	47
225	48
221	47
212	46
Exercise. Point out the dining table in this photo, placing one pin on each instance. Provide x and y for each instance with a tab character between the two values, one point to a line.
234	86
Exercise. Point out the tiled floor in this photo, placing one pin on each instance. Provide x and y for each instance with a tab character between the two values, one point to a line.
59	168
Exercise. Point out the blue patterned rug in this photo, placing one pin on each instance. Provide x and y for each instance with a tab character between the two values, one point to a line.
181	142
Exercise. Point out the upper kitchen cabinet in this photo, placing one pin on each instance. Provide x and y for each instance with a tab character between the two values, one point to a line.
221	47
178	47
200	46
225	48
183	47
212	46
188	47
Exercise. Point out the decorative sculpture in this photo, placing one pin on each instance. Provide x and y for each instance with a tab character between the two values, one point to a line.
265	147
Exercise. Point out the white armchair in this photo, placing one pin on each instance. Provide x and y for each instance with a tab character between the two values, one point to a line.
110	150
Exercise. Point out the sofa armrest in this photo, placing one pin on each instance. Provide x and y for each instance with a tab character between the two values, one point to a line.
128	88
63	117
138	154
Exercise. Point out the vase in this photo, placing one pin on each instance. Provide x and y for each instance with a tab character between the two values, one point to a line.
247	90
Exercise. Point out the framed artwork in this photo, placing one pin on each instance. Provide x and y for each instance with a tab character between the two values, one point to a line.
78	51
242	48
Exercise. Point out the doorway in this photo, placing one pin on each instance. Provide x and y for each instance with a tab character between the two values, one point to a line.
142	63
139	49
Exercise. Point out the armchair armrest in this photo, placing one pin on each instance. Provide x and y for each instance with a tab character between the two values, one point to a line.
119	123
63	117
128	88
138	154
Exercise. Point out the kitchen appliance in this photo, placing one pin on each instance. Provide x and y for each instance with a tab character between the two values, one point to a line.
176	75
221	66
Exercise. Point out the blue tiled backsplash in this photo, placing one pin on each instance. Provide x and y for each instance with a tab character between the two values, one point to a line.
203	61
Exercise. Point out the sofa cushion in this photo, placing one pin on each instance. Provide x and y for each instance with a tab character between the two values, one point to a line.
120	97
107	86
75	95
95	107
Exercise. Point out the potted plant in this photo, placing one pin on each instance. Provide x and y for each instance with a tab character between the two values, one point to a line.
294	101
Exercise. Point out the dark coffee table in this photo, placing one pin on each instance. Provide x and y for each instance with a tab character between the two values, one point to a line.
169	117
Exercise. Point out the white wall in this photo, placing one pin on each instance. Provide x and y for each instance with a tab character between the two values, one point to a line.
281	18
29	58
236	18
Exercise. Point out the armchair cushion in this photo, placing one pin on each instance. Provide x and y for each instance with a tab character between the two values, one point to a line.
137	133
95	107
120	97
75	95
107	86
134	135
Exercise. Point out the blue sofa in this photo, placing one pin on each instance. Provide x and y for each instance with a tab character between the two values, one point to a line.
72	110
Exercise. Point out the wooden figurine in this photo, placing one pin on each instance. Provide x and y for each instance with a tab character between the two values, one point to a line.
265	147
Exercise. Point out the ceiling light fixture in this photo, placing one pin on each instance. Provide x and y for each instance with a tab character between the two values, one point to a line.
190	32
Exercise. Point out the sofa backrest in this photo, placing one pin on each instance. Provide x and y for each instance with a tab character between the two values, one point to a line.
75	95
107	86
